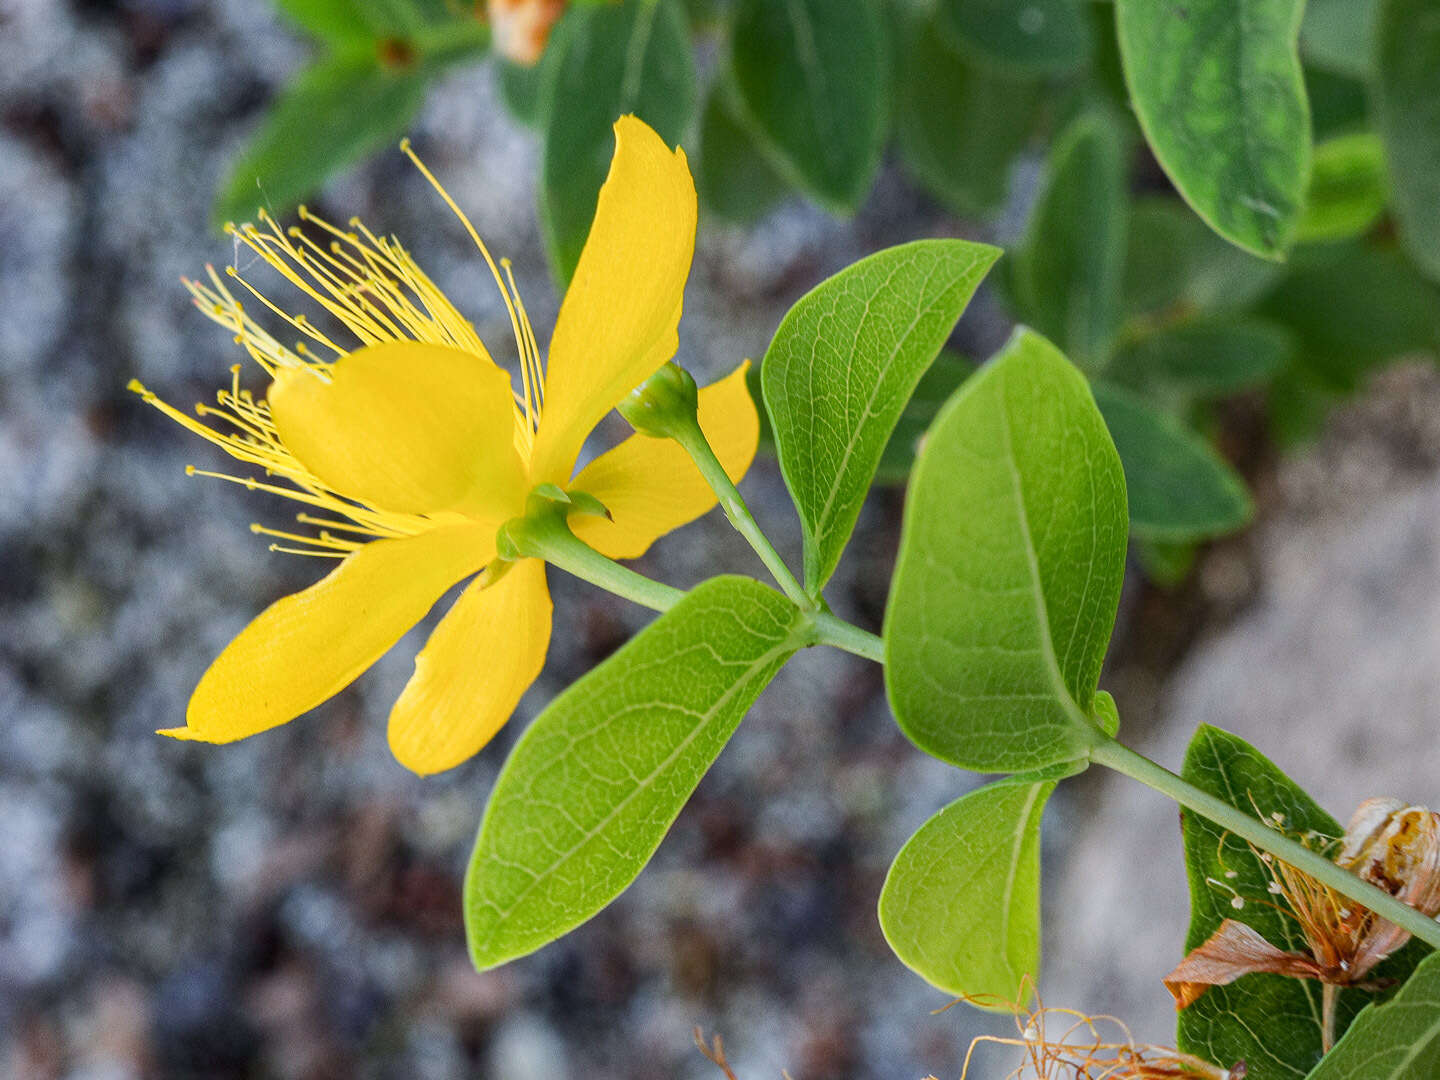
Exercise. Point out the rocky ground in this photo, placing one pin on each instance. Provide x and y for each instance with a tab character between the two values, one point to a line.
288	907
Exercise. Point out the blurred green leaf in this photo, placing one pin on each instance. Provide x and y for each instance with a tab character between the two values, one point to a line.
959	124
609	60
1067	272
1011	557
335	21
1297	405
1396	1041
1159	243
1407	112
812	77
841	367
1354	307
961	904
334	113
596	781
1178	487
1039	36
1338	103
1204	358
734	177
1339	35
1166	562
1271	1022
1348	189
520	89
1173	261
1217	88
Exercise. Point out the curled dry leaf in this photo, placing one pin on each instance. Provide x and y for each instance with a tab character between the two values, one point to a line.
1232	951
1393	846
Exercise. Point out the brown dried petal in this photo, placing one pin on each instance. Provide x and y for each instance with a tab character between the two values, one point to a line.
1396	848
1232	951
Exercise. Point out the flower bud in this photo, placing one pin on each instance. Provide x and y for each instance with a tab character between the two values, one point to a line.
664	404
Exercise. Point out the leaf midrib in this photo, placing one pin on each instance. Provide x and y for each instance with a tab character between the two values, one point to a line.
1032	561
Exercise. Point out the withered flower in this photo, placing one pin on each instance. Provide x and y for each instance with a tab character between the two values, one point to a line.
520	28
1387	843
1062	1044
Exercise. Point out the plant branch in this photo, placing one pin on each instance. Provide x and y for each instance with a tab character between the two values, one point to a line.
547	536
693	440
1122	759
830	630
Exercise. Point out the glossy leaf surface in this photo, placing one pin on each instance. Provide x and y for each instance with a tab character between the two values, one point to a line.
1216	85
842	366
1011	557
961	904
594	784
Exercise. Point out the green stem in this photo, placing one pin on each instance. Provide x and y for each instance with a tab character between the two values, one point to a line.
693	441
1328	993
830	630
1122	759
547	536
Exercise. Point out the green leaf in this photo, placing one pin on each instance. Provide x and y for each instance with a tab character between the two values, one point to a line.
1396	1041
1179	488
1067	273
594	784
1348	189
1040	36
334	21
609	60
1338	104
1407	113
1271	1022
840	369
959	124
333	114
1174	262
949	370
961	904
520	89
1166	564
1218	92
1208	357
1354	307
1339	35
812	77
1105	713
1011	557
734	177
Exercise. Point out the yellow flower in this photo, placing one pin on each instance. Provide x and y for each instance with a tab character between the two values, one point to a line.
410	448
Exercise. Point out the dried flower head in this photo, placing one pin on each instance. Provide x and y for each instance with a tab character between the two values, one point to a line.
1063	1044
520	28
1387	843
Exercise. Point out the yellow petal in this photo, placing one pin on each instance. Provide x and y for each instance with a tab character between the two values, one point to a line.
484	654
618	321
651	486
307	647
406	427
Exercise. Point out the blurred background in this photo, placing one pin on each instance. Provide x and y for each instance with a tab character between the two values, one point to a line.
288	907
